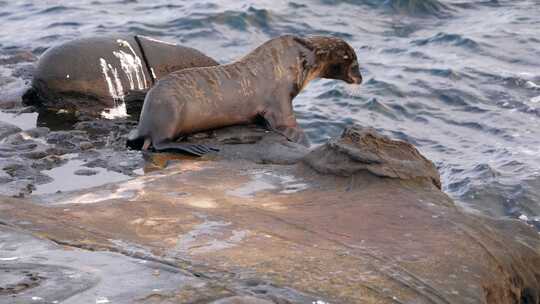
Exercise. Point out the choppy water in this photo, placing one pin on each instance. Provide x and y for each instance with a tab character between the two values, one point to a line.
460	79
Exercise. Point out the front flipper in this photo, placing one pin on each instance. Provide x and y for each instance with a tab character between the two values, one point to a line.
289	129
192	149
294	134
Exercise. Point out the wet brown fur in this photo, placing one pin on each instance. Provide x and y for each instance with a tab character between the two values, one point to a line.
261	84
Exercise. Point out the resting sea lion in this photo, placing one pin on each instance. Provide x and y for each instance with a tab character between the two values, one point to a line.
261	84
96	75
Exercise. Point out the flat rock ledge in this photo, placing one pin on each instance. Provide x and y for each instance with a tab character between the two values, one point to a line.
360	219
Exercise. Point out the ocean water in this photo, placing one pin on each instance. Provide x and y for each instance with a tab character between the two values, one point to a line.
459	79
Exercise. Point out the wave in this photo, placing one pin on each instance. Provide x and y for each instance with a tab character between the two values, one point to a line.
419	7
408	7
450	39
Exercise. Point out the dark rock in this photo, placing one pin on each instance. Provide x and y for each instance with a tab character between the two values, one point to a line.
242	300
363	149
68	140
49	162
118	161
58	151
20	169
17	188
252	143
35	154
86	145
86	172
104	127
24	56
59	137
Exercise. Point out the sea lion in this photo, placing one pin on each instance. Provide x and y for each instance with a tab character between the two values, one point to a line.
261	84
97	75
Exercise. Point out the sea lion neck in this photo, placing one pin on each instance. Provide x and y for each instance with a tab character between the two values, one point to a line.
286	59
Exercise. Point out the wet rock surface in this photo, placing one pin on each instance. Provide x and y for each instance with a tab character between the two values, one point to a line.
358	220
30	156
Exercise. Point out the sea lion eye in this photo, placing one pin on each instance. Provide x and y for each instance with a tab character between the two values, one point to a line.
335	69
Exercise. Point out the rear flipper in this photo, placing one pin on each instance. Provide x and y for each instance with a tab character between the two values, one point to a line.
192	149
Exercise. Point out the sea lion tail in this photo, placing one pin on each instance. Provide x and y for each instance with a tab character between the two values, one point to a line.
137	142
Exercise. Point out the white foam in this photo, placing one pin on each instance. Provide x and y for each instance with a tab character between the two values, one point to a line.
131	65
535	99
102	300
115	92
523	217
9	259
531	85
117	112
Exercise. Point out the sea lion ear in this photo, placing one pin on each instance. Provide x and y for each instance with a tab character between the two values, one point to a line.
305	43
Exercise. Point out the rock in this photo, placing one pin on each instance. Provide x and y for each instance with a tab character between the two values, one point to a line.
363	149
49	162
8	102
86	172
21	56
68	140
35	270
7	129
38	132
17	188
242	300
24	145
358	220
36	154
20	169
86	145
252	143
124	162
104	127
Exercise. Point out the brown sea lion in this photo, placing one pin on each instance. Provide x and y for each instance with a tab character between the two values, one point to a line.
96	75
261	84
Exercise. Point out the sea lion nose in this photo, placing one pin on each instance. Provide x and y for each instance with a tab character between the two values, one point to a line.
354	75
356	78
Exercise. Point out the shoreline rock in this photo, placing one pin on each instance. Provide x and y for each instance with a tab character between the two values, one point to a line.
358	220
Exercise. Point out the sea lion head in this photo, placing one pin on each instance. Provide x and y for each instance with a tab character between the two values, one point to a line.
335	59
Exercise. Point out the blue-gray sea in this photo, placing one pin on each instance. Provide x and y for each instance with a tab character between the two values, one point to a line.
459	79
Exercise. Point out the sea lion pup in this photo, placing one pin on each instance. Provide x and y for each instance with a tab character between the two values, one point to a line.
105	76
259	85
